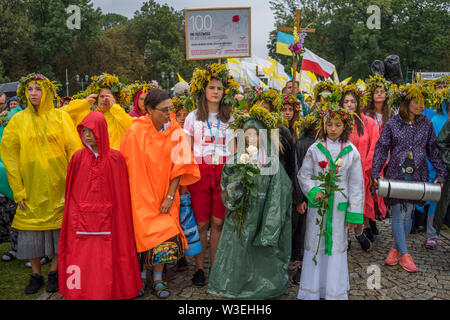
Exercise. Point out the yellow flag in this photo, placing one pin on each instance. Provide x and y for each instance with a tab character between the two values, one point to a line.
180	78
346	81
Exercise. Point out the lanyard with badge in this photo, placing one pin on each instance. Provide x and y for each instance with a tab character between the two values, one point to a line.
215	156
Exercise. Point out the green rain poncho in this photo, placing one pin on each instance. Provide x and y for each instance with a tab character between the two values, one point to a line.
255	266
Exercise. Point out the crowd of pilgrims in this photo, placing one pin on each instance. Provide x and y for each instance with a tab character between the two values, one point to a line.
120	183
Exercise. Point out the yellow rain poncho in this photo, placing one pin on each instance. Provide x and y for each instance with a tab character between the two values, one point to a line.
36	149
117	119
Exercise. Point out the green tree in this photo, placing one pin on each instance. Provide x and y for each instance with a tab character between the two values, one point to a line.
160	37
110	20
417	31
16	40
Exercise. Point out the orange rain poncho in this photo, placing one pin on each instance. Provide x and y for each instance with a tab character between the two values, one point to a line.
36	149
117	119
153	160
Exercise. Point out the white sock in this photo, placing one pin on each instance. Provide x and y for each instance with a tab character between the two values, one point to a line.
144	275
157	276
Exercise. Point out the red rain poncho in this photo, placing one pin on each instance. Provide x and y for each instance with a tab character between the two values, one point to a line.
366	146
97	250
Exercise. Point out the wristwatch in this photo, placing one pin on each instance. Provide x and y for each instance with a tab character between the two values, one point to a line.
170	197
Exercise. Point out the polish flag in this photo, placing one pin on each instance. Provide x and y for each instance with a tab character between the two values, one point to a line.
314	63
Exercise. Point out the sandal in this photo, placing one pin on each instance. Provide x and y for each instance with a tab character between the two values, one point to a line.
9	256
158	291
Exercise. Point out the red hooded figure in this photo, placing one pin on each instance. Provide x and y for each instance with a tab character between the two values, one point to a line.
97	250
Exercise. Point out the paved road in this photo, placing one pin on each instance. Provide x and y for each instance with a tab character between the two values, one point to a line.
431	282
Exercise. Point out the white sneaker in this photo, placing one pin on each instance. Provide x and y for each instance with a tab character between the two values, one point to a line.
44	260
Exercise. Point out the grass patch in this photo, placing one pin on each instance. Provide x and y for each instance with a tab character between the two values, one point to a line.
14	277
445	228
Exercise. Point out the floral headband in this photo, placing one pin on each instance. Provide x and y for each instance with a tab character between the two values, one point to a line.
377	81
440	99
329	109
359	94
105	80
324	85
184	102
132	89
256	112
293	101
423	94
48	86
202	76
304	124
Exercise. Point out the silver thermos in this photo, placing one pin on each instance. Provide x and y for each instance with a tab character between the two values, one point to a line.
409	190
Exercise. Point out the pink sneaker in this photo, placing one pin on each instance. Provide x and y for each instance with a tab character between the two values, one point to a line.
431	243
392	258
407	263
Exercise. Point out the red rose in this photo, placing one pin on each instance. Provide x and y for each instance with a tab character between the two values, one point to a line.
236	19
323	164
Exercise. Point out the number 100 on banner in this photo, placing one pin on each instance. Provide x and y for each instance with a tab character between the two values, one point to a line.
216	33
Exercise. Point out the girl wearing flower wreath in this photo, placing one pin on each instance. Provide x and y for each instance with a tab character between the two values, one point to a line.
36	148
331	177
326	86
378	108
364	137
273	102
107	92
255	246
138	92
291	111
207	126
409	139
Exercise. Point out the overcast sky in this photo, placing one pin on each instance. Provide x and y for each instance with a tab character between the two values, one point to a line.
262	17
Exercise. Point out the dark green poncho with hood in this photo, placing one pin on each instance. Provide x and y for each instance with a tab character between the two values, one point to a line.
254	265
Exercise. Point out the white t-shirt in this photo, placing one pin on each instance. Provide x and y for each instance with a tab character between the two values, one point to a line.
204	137
379	119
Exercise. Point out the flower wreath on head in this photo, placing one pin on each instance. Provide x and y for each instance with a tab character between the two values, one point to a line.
132	89
324	85
293	101
329	109
184	102
256	112
440	99
302	125
202	76
105	80
377	81
435	82
353	88
271	96
423	94
49	86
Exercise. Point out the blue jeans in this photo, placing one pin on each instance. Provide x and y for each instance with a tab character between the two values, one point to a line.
401	225
431	231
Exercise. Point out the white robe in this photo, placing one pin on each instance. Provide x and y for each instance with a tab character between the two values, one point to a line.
329	279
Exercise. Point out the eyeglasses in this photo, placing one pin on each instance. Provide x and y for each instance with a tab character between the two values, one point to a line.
165	110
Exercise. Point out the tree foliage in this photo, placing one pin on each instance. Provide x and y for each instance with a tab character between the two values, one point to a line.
417	31
34	37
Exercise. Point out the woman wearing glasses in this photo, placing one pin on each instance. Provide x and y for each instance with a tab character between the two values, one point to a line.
159	159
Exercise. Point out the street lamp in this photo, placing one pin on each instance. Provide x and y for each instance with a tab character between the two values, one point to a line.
82	80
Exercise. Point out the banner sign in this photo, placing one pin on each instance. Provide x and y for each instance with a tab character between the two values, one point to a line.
433	75
216	33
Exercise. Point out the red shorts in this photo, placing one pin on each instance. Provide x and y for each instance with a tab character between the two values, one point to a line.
206	193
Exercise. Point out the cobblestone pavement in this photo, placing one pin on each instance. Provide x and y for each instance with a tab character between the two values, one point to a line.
431	282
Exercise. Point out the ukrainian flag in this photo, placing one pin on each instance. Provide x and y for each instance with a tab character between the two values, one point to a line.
283	42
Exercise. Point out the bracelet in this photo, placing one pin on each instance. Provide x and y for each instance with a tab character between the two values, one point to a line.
170	197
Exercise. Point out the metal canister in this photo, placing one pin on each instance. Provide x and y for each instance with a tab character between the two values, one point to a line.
408	190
